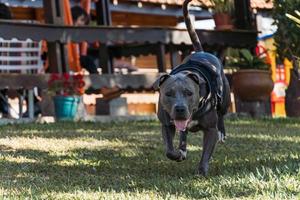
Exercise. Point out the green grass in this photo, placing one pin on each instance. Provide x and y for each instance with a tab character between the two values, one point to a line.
260	160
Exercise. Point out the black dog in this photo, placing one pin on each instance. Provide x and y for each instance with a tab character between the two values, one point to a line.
194	96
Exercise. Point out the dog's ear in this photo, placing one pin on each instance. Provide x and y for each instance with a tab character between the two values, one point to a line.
200	81
156	85
195	77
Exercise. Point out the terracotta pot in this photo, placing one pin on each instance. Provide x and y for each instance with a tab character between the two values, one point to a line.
223	21
252	85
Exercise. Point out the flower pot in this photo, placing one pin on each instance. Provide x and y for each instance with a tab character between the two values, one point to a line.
65	107
223	21
252	85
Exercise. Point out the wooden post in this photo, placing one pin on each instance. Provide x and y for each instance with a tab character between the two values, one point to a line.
103	12
30	107
174	56
104	19
55	57
243	14
160	57
53	11
56	52
105	60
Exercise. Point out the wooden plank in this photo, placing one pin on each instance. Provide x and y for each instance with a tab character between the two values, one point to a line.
26	81
126	82
129	19
124	35
23	13
150	62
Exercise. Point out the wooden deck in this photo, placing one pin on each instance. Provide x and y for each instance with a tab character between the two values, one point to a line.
123	81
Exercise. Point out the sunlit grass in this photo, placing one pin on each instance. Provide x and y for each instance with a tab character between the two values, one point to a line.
260	160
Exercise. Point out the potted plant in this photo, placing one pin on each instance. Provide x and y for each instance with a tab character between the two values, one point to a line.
252	81
223	10
66	90
287	42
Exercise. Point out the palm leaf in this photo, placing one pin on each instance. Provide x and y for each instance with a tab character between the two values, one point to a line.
245	53
295	19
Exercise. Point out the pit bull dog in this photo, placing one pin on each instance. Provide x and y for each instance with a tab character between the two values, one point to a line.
194	96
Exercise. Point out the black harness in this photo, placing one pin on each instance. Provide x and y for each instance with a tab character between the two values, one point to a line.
206	66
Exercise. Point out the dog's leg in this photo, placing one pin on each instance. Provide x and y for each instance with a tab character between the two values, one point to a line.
182	145
168	133
209	142
221	128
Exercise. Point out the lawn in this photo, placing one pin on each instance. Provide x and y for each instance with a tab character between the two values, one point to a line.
260	160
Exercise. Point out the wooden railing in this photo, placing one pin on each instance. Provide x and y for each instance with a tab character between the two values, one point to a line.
127	40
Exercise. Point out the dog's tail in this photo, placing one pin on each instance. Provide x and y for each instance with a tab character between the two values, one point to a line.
193	35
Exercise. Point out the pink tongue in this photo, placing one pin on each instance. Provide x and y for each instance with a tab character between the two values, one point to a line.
181	124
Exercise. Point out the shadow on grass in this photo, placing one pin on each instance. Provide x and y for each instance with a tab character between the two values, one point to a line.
141	165
71	130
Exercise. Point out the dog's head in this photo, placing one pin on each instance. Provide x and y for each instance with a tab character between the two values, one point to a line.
180	95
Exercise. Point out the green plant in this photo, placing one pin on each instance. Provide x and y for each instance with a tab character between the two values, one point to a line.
223	6
287	38
243	59
296	19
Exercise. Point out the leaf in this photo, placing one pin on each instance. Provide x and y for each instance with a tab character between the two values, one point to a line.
295	19
247	56
283	15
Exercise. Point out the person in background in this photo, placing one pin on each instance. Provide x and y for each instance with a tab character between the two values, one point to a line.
81	18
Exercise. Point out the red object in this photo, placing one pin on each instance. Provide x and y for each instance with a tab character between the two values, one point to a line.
261	51
66	84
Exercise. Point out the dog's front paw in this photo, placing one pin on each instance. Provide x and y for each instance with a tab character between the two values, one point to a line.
182	155
173	155
221	137
176	155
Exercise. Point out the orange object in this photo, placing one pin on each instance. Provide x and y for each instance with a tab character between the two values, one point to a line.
278	93
73	49
86	5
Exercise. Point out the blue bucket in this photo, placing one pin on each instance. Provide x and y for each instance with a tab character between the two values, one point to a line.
65	107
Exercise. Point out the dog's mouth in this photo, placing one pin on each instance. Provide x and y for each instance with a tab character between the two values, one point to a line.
181	124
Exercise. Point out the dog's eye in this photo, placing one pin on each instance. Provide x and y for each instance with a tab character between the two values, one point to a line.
169	94
188	93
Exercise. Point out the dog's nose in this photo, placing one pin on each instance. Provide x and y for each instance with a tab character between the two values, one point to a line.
180	109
